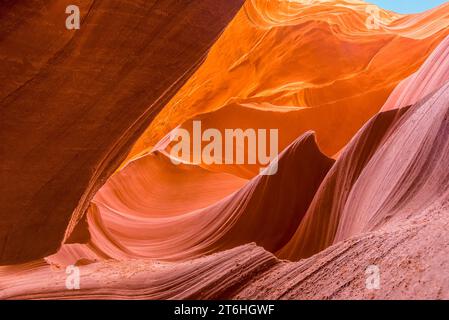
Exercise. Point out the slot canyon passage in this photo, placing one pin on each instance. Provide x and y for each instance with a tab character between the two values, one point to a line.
91	121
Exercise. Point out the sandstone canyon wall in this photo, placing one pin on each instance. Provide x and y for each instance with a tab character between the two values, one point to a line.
361	177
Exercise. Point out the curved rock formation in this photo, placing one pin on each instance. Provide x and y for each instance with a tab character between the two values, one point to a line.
135	217
395	219
411	258
329	57
317	231
430	77
403	234
191	230
324	217
400	184
212	277
290	123
68	121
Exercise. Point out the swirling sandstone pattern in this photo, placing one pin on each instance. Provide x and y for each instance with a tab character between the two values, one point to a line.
432	75
377	99
68	121
323	58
